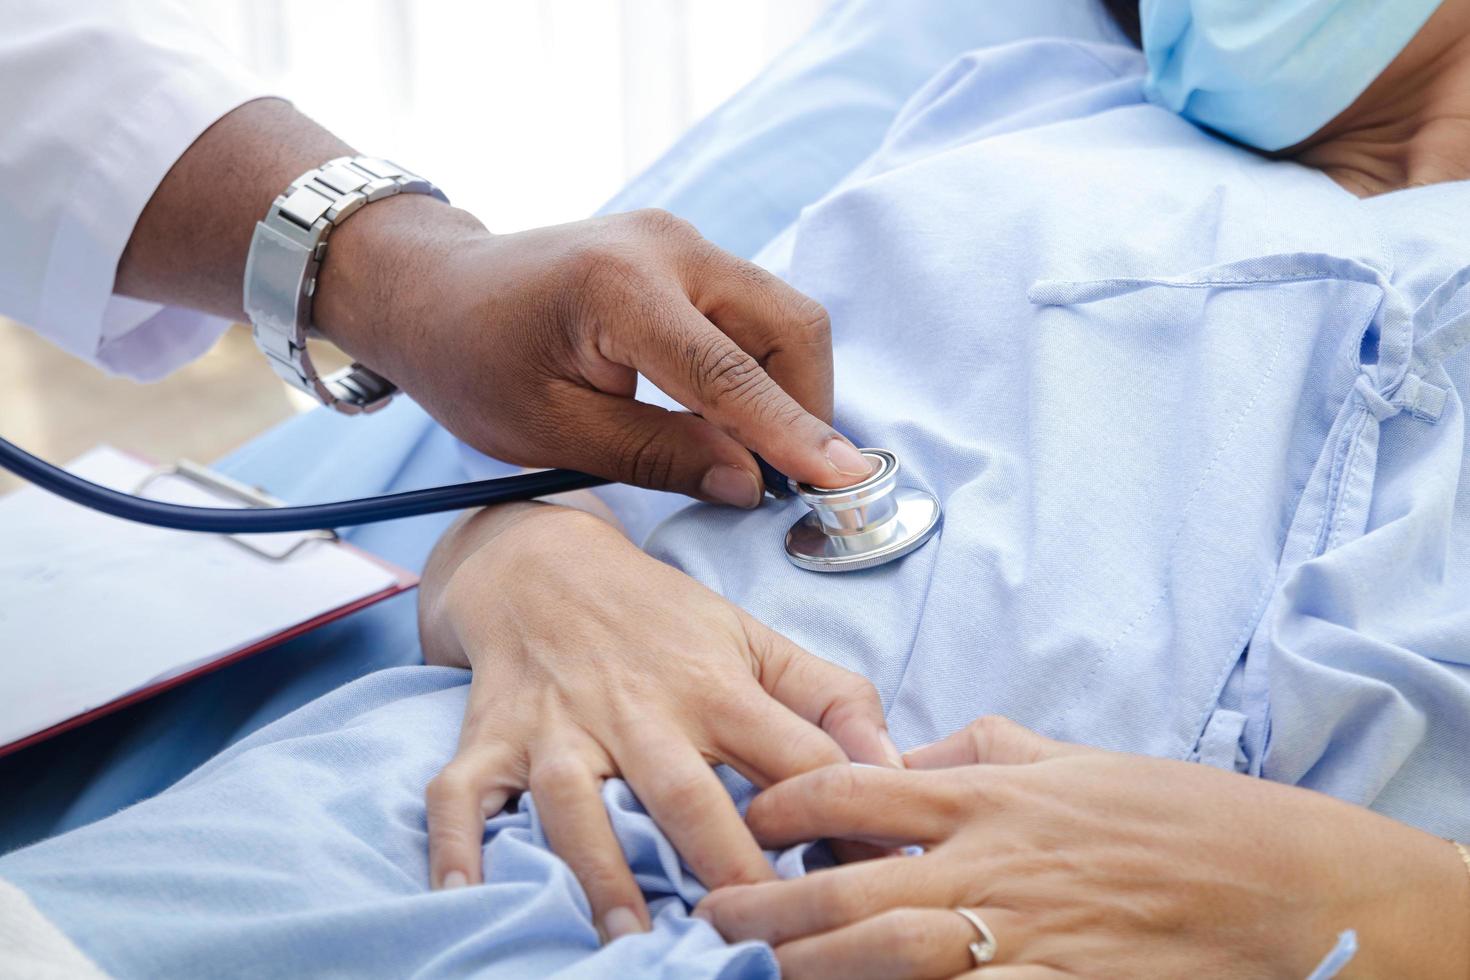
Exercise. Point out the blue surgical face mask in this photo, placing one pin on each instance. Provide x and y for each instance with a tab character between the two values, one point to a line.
1270	73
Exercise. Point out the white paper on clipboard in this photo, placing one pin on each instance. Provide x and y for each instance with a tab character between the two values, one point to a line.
93	608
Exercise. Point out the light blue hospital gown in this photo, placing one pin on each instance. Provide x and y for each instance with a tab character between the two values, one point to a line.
1196	420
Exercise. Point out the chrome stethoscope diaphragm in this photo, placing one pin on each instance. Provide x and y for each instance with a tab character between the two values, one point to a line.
869	523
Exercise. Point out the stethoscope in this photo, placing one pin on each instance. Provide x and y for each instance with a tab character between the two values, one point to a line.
870	523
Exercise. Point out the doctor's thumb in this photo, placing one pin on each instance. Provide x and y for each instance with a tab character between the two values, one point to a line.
647	446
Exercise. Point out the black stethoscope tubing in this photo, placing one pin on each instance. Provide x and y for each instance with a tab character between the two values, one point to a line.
309	517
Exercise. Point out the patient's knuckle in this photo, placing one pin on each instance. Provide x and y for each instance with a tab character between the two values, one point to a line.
991	725
601	878
912	934
988	731
900	924
720	905
856	690
837	782
764	813
734	874
999	739
451	784
810	751
683	792
833	788
555	775
849	901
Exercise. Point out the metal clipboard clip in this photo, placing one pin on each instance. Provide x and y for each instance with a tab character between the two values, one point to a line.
219	485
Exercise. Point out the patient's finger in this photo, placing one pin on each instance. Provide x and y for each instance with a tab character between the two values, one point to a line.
456	802
856	803
779	911
766	742
994	740
845	704
897	944
1021	971
684	796
569	799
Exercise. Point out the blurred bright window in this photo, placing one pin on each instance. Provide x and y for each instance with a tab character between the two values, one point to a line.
527	112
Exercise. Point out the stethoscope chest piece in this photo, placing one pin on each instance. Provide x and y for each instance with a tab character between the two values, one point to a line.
867	524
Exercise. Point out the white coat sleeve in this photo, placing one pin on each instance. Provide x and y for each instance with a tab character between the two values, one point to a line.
100	98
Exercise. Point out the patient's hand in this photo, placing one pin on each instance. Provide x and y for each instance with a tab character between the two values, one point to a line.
1096	864
592	659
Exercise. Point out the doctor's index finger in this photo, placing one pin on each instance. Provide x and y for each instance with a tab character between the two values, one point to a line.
786	331
712	375
696	362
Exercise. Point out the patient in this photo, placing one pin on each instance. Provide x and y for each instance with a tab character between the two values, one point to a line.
1195	417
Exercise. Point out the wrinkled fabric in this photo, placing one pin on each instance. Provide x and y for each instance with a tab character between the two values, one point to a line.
1179	402
302	851
1196	419
1270	73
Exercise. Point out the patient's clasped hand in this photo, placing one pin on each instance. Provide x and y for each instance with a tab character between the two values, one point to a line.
593	660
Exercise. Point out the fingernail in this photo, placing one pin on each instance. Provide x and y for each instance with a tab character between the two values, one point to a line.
703	914
620	922
454	879
890	751
731	485
847	460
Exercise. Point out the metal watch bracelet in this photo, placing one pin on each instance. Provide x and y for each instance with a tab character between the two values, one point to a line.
286	253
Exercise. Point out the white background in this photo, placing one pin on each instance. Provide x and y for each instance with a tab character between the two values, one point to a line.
526	112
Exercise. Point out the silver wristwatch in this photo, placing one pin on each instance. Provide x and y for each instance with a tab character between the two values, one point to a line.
281	271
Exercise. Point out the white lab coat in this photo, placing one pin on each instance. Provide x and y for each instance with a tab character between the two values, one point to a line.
98	99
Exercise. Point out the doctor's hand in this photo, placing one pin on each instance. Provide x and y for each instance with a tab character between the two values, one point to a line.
592	660
529	346
1085	863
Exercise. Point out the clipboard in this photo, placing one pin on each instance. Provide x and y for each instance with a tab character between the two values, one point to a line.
207	600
